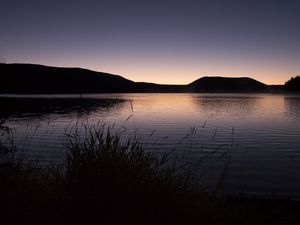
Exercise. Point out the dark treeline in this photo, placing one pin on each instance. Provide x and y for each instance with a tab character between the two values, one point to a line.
39	79
293	84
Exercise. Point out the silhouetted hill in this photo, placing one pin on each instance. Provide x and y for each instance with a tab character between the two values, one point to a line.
39	79
293	84
31	79
226	84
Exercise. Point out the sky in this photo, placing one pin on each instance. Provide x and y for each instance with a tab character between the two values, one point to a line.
174	42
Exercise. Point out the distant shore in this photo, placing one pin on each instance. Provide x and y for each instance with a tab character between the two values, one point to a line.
39	79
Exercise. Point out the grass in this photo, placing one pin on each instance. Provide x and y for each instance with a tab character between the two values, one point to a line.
106	180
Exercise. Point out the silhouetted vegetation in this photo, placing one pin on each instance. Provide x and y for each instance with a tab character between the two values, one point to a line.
106	180
293	84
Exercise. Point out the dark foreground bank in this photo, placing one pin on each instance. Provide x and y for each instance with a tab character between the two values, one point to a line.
107	181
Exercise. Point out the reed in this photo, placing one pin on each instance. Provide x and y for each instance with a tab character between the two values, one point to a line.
106	179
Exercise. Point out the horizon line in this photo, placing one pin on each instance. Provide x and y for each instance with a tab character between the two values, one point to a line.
149	82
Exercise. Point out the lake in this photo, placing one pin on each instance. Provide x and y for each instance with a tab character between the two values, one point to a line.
249	144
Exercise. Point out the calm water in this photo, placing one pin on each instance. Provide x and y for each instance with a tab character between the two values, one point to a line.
249	143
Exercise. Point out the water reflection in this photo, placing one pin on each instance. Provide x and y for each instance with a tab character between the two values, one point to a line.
292	107
264	158
226	106
40	107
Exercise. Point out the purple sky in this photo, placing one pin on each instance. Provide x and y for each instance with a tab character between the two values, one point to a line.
156	41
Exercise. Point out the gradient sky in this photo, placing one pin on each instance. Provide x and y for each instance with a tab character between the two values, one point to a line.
172	42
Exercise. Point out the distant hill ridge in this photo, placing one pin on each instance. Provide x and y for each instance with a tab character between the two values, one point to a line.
31	78
227	84
40	79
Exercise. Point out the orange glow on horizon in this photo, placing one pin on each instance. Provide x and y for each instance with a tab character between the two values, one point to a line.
181	78
181	74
